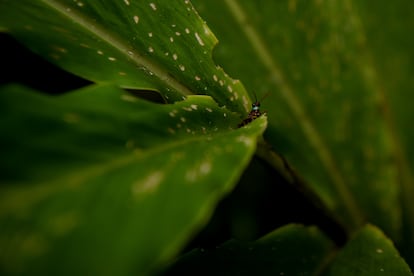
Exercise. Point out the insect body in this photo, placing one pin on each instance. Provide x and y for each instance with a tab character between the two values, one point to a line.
253	115
254	112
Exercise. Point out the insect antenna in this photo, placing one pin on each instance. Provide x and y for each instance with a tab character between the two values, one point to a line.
264	97
255	97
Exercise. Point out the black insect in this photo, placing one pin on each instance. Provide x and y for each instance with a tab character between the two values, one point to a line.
254	112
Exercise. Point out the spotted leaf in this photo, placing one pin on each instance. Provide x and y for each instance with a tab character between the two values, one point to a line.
154	45
99	182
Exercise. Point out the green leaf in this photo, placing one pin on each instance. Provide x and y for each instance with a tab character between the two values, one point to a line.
153	45
290	250
339	97
99	182
297	250
369	253
390	53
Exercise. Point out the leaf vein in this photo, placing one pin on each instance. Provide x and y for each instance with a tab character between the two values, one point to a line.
297	109
118	44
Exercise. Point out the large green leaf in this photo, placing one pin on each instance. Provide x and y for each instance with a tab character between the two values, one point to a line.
99	182
157	45
296	250
390	55
339	75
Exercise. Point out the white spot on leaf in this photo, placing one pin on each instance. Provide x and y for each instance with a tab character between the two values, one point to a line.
60	49
245	140
201	170
147	185
153	6
205	167
206	30
200	41
136	19
128	98
174	111
245	103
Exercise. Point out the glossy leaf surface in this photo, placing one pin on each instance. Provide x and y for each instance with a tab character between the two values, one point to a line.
153	45
100	182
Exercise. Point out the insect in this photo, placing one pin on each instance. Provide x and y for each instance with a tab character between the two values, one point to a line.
254	112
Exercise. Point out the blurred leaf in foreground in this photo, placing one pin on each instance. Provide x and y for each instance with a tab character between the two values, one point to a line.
97	181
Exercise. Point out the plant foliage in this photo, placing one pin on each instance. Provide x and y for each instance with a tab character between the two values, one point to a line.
100	181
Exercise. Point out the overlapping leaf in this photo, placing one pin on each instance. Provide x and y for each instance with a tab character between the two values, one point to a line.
297	250
369	252
100	182
290	250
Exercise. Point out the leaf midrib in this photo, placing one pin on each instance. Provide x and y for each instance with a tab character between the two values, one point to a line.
296	106
45	189
122	47
368	70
